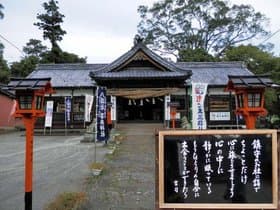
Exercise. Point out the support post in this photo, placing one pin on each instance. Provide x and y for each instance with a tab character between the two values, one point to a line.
250	121
29	125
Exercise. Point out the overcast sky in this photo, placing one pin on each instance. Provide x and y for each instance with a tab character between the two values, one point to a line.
101	30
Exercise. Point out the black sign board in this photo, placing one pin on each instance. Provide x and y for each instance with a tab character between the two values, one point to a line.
225	168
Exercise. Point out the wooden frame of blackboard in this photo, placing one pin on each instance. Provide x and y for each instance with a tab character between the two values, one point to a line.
161	187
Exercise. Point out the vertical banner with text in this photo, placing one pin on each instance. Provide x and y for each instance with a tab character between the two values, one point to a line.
199	91
49	114
167	100
101	115
88	106
67	109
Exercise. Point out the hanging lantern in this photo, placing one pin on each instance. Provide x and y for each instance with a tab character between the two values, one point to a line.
147	99
153	101
134	102
129	102
141	102
160	99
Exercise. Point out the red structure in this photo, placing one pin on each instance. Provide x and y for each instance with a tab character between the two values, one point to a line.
249	92
173	112
6	103
30	105
109	118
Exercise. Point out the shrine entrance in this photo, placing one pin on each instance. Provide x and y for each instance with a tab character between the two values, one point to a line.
139	83
147	110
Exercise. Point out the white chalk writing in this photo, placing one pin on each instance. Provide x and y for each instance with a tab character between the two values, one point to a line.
196	187
257	165
207	167
185	172
219	156
231	157
244	167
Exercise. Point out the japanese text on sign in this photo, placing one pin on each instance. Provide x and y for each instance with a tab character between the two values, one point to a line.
208	169
220	167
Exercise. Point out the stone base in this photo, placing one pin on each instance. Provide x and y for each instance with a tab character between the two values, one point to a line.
89	137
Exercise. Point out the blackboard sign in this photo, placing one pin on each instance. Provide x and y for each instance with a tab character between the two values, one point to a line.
225	168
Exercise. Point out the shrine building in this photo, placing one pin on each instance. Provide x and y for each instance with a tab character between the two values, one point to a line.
141	87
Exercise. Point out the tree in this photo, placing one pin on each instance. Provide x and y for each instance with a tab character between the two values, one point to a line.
257	60
34	48
50	22
4	71
195	55
170	26
1	12
1	49
1	17
24	67
61	57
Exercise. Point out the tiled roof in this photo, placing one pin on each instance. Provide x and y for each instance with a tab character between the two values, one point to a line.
161	68
250	81
214	73
28	83
169	66
67	75
6	92
77	75
139	73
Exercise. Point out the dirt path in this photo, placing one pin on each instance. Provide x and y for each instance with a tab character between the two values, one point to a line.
128	183
60	165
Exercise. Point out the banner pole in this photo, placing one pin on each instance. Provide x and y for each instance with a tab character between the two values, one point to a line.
85	112
96	109
65	123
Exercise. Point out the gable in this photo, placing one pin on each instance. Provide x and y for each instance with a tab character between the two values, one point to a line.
139	60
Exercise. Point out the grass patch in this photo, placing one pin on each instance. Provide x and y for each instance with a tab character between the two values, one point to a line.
97	165
68	201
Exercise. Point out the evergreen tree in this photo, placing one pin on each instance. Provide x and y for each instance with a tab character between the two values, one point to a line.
34	48
259	61
50	22
24	67
1	12
171	26
4	69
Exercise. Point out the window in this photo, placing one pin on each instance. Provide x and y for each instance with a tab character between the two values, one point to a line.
240	100
38	102
78	104
219	103
25	102
254	99
181	99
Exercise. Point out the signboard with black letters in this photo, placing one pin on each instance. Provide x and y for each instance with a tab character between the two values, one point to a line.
212	169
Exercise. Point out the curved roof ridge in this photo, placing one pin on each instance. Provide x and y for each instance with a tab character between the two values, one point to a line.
228	64
68	67
129	54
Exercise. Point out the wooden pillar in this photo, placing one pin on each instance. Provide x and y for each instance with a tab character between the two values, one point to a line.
29	125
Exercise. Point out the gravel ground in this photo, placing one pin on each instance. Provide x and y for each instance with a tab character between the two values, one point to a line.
129	180
60	165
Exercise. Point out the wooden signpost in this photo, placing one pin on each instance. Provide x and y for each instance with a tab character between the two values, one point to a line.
217	169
